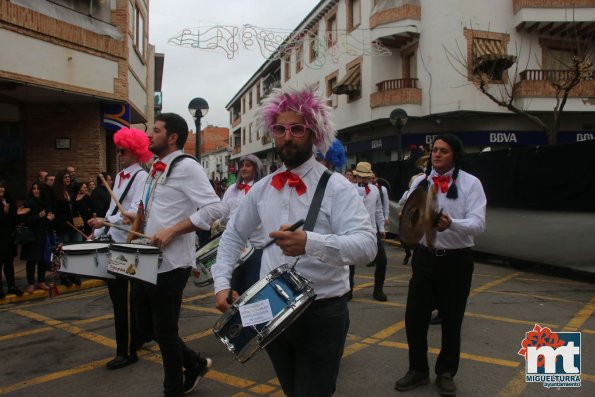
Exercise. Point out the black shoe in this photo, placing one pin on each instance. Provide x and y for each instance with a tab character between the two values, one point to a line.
76	281
66	282
436	319
122	361
379	295
446	386
411	380
14	290
371	264
194	375
2	294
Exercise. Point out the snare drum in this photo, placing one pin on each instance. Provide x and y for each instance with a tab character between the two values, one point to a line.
85	259
135	261
264	311
205	259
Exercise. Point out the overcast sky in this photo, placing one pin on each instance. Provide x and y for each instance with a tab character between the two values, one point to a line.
209	74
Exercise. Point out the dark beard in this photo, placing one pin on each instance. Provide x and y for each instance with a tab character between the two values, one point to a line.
297	157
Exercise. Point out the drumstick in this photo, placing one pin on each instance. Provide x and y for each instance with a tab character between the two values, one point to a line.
77	230
111	193
126	230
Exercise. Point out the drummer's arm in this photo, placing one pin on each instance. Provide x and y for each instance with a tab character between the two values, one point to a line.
163	237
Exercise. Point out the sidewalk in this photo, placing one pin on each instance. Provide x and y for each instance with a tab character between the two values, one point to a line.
21	282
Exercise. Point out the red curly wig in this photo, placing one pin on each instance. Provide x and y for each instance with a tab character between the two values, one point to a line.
134	140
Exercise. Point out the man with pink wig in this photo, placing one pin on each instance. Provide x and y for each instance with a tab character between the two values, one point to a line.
132	147
307	354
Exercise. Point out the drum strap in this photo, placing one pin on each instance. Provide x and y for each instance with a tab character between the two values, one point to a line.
122	197
316	201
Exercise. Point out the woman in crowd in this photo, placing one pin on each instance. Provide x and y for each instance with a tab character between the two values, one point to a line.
91	185
39	220
8	250
84	206
64	210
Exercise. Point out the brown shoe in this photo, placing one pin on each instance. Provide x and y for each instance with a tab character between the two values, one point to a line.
43	286
411	380
446	386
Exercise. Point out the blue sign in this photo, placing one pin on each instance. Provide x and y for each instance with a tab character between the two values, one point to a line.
469	138
115	116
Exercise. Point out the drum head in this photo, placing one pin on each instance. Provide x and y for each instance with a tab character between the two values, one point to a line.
208	247
85	247
134	247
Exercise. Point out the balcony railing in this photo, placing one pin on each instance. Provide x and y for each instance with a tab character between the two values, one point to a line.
550	75
236	150
396	84
571	4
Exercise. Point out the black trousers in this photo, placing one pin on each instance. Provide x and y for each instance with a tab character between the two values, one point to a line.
307	355
380	261
30	269
8	265
158	310
441	282
128	339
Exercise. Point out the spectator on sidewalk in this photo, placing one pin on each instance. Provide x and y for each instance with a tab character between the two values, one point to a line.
8	249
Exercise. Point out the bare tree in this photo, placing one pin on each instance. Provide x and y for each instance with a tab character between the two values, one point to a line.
493	67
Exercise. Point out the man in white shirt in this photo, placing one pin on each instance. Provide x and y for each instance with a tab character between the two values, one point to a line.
132	147
307	354
442	276
175	188
373	203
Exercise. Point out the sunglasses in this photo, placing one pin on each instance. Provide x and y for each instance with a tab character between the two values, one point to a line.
121	151
296	130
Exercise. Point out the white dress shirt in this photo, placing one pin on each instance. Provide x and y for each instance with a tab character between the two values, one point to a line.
231	201
385	201
373	205
342	234
130	202
175	199
467	212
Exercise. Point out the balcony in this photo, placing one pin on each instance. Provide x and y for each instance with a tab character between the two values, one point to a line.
539	83
236	150
390	16
555	18
396	92
235	122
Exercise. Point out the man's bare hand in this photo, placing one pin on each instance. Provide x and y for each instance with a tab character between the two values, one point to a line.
291	243
221	299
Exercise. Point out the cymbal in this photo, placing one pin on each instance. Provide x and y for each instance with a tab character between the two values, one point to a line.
412	221
431	217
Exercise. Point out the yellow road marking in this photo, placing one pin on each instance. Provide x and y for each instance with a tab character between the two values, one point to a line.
211	310
94	319
581	317
515	387
552	281
53	376
491	284
25	333
100	339
197	297
509	320
588	331
541	297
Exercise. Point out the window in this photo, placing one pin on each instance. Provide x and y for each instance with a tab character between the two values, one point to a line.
250	132
287	66
558	59
243	136
314	43
299	51
138	29
258	93
331	83
354	14
331	30
250	100
243	105
409	61
95	9
487	59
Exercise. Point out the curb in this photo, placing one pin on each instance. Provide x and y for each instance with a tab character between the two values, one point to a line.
41	294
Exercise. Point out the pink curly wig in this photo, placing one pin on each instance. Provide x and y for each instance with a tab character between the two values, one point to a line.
305	102
134	140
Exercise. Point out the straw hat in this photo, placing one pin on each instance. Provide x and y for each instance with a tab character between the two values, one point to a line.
363	169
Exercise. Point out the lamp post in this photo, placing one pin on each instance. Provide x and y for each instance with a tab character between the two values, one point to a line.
198	108
398	118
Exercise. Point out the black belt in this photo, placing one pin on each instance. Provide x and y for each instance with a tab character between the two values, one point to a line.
443	252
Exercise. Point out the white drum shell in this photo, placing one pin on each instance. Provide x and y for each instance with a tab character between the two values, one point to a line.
86	259
136	261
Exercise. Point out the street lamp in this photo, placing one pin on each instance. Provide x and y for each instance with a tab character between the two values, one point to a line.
398	118
198	108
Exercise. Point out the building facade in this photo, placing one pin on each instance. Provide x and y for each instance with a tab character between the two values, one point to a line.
370	57
71	74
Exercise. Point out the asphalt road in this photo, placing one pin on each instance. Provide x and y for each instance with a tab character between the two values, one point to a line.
59	347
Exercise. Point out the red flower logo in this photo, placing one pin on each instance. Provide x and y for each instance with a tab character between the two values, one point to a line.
538	337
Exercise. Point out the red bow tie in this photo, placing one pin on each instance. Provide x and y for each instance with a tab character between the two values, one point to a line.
245	187
367	189
158	166
123	177
441	182
292	181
